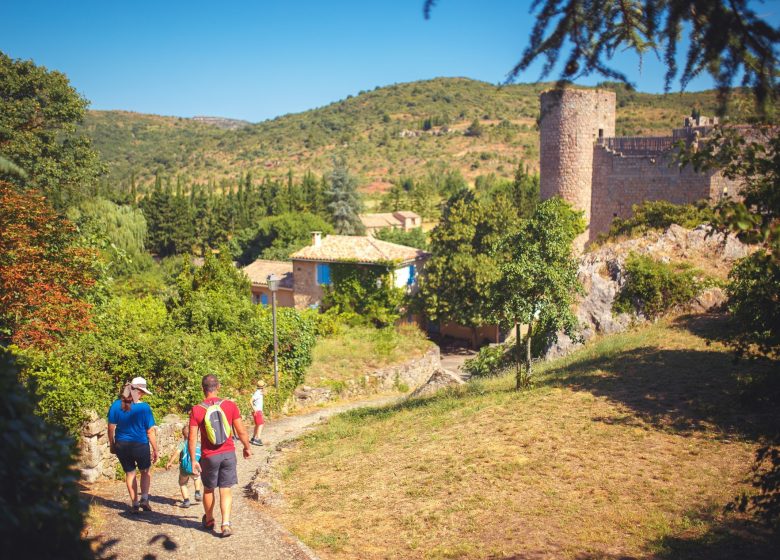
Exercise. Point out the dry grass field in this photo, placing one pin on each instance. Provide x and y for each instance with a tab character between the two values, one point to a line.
629	448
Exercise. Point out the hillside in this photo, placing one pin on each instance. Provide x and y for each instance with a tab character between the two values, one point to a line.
403	129
629	448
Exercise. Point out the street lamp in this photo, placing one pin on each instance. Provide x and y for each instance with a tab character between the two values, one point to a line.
273	285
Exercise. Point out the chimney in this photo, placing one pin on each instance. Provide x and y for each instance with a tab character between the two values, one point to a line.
316	238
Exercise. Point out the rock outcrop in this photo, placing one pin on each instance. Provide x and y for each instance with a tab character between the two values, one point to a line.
440	379
602	273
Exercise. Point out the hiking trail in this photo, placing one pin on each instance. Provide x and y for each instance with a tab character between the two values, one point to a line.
171	532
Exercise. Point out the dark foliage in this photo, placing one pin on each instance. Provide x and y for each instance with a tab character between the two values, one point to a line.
40	513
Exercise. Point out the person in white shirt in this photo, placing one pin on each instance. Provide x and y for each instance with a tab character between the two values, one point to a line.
257	406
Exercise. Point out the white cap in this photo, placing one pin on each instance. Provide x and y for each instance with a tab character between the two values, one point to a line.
140	384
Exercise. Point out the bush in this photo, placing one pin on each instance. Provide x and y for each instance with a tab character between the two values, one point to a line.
211	327
491	360
40	513
653	287
413	238
659	215
754	300
363	294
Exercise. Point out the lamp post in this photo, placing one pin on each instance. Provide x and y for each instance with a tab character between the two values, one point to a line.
273	285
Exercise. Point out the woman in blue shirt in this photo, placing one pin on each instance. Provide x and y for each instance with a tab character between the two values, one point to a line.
130	432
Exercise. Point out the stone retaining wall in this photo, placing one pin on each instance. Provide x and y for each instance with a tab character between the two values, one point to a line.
97	463
411	373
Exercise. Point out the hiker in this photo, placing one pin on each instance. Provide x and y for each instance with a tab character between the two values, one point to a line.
185	468
216	420
130	433
257	406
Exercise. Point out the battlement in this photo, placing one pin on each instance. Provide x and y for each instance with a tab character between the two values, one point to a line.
638	145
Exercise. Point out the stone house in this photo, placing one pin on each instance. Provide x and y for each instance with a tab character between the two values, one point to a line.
403	219
258	273
303	280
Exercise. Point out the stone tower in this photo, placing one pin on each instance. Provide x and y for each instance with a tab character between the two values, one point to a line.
571	122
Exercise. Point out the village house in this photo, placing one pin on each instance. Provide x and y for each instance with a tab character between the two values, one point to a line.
403	219
303	281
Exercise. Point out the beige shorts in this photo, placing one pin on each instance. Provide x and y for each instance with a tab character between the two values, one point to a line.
185	478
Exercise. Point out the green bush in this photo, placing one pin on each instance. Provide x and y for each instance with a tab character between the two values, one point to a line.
653	287
659	215
754	300
40	513
364	294
210	326
491	360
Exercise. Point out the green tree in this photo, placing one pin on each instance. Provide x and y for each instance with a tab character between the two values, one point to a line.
121	231
39	111
415	237
277	237
459	280
538	281
169	221
363	293
343	200
725	39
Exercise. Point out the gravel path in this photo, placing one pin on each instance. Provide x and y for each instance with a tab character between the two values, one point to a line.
171	532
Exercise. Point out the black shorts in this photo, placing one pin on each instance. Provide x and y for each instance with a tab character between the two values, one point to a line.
219	471
132	454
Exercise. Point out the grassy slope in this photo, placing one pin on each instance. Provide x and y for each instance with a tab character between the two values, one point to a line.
630	447
365	129
355	351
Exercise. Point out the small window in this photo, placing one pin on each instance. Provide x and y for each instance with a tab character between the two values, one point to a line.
601	133
264	299
323	274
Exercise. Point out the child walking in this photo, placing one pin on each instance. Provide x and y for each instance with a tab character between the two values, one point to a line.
185	469
257	406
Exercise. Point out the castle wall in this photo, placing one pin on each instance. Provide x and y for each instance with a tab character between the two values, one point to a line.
620	181
571	122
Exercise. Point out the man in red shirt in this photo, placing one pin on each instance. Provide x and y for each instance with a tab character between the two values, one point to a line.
217	464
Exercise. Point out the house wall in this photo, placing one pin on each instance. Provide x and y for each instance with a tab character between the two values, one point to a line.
485	333
284	297
307	291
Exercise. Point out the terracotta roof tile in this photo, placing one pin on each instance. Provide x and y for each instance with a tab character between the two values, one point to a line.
259	271
351	248
380	220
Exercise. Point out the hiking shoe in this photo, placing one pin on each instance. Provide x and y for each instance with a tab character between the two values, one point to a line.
144	505
134	508
254	441
207	525
226	530
185	504
198	497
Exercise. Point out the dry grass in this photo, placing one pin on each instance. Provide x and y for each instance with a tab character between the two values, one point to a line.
629	448
355	351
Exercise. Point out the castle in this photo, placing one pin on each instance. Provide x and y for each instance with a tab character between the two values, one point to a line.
583	162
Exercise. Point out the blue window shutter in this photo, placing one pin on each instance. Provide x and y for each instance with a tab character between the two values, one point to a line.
264	299
323	274
410	281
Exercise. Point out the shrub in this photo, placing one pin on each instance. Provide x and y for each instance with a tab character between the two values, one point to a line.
653	287
754	300
39	494
659	215
491	360
364	294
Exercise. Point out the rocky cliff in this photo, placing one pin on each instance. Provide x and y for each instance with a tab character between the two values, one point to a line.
602	273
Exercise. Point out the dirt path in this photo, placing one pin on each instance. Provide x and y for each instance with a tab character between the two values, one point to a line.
171	532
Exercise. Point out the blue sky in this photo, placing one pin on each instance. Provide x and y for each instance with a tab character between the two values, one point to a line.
259	59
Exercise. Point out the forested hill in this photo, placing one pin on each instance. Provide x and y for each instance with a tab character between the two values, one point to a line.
400	130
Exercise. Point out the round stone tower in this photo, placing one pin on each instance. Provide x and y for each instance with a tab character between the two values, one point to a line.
571	122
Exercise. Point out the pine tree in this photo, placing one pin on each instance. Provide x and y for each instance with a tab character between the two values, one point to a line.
343	200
